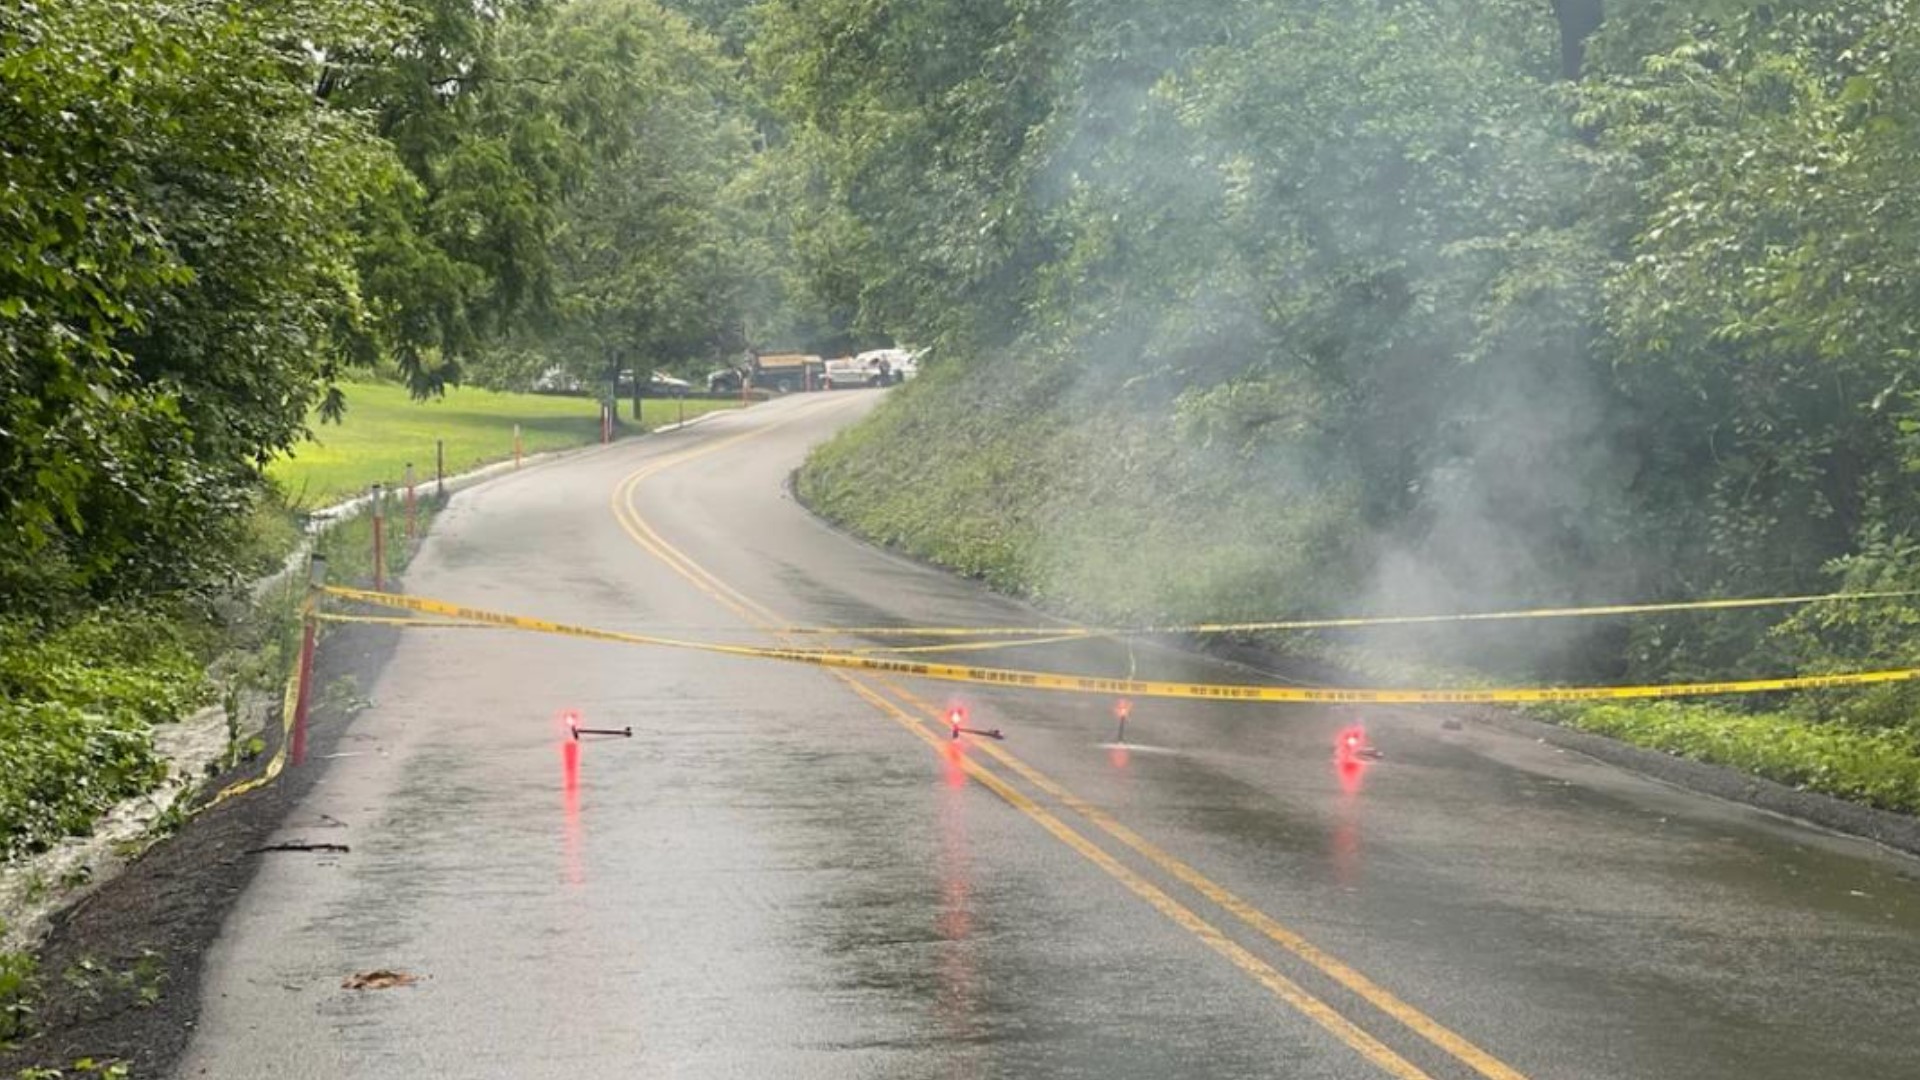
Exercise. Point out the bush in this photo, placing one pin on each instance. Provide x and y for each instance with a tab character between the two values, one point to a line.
137	667
60	767
1877	768
18	984
77	711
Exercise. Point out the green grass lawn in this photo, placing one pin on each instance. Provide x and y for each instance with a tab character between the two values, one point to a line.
385	429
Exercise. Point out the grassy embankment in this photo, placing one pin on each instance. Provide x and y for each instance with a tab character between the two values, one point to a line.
385	429
1101	507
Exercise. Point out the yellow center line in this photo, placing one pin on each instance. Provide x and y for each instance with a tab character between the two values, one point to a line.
1282	987
635	525
1377	996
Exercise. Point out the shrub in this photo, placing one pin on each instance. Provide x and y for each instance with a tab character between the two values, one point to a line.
1877	768
60	766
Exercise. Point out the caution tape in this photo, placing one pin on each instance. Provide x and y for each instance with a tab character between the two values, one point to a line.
1138	688
389	620
890	650
289	701
1354	622
970	646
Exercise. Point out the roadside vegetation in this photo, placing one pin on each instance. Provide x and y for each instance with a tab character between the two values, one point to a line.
255	257
389	428
1252	311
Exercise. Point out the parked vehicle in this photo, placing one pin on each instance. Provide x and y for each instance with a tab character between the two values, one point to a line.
662	384
787	372
855	371
901	364
556	380
908	364
659	384
726	381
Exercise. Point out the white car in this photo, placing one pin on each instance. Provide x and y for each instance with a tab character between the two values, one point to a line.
556	380
901	364
853	371
662	384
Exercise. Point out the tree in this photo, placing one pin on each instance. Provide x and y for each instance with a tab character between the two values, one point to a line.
174	268
643	260
1578	20
456	250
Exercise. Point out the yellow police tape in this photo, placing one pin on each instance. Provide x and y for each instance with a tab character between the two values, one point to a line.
389	620
890	650
1044	680
289	700
968	646
1354	622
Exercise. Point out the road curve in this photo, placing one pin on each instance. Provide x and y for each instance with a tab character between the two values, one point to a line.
793	872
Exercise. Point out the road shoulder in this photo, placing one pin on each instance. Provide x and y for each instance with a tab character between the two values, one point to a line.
120	970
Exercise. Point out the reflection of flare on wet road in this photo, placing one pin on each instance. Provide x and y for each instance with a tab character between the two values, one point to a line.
1353	755
955	768
1136	748
1352	772
574	859
957	998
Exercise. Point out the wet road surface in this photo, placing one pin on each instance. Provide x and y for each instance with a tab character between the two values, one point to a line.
792	872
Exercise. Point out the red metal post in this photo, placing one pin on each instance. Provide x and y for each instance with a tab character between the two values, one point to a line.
379	540
413	513
516	446
303	693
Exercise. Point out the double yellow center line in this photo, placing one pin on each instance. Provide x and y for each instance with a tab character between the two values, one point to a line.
925	727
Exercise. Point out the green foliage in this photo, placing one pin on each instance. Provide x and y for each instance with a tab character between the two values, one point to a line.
174	261
19	982
1877	768
143	668
1291	307
453	244
1863	634
1110	515
926	124
210	212
645	268
77	709
61	766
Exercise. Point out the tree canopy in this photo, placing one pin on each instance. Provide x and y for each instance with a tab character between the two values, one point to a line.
1438	304
1521	301
210	211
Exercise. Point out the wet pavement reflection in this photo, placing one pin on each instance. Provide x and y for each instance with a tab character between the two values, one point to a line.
772	878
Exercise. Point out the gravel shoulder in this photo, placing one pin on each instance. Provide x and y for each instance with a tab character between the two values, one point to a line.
119	971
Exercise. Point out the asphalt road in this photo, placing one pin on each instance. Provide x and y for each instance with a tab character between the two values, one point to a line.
791	872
